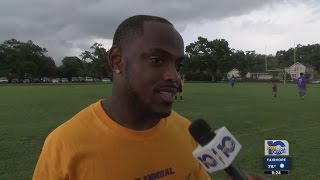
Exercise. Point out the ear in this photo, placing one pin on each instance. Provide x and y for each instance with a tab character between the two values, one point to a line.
114	58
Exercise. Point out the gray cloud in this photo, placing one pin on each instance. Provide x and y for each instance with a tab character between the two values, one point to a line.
62	26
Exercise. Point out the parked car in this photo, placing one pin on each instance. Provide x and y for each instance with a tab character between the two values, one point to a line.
36	80
26	80
105	80
81	79
15	80
96	80
46	80
64	80
74	79
4	80
88	79
55	80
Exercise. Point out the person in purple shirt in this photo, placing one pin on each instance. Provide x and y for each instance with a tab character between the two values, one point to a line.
301	83
274	88
232	80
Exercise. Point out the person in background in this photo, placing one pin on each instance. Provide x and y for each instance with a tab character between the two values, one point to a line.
232	80
180	88
301	84
274	88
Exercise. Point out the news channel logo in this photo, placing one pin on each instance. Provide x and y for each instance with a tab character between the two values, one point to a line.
227	145
208	160
276	148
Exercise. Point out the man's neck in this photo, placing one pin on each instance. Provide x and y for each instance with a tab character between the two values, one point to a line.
125	115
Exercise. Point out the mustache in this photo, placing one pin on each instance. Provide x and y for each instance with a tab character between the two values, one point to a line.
170	87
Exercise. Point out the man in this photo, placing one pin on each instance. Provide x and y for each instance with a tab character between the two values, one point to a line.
301	83
134	134
274	88
232	80
180	88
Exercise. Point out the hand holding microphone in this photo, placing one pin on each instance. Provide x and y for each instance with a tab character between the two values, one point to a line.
216	150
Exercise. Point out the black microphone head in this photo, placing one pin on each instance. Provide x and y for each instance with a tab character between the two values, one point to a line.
201	131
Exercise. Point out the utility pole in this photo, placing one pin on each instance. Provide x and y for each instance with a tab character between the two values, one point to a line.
265	58
294	53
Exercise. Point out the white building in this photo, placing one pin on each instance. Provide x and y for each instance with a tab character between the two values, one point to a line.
298	67
234	72
259	75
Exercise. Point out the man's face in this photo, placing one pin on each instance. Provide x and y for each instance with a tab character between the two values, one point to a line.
151	69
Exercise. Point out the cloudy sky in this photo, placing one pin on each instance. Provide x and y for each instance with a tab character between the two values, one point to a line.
68	27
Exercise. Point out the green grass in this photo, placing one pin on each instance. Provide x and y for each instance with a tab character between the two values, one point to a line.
29	113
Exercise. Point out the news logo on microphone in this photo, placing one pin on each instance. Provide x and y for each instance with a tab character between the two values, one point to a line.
219	153
276	160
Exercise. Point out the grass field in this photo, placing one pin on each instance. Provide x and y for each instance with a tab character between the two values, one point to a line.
29	113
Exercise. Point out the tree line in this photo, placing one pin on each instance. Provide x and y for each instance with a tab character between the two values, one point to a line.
211	60
205	60
28	60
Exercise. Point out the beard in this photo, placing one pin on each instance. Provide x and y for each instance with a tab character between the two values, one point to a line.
142	108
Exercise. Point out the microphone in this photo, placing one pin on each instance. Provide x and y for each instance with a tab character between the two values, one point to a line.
216	150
